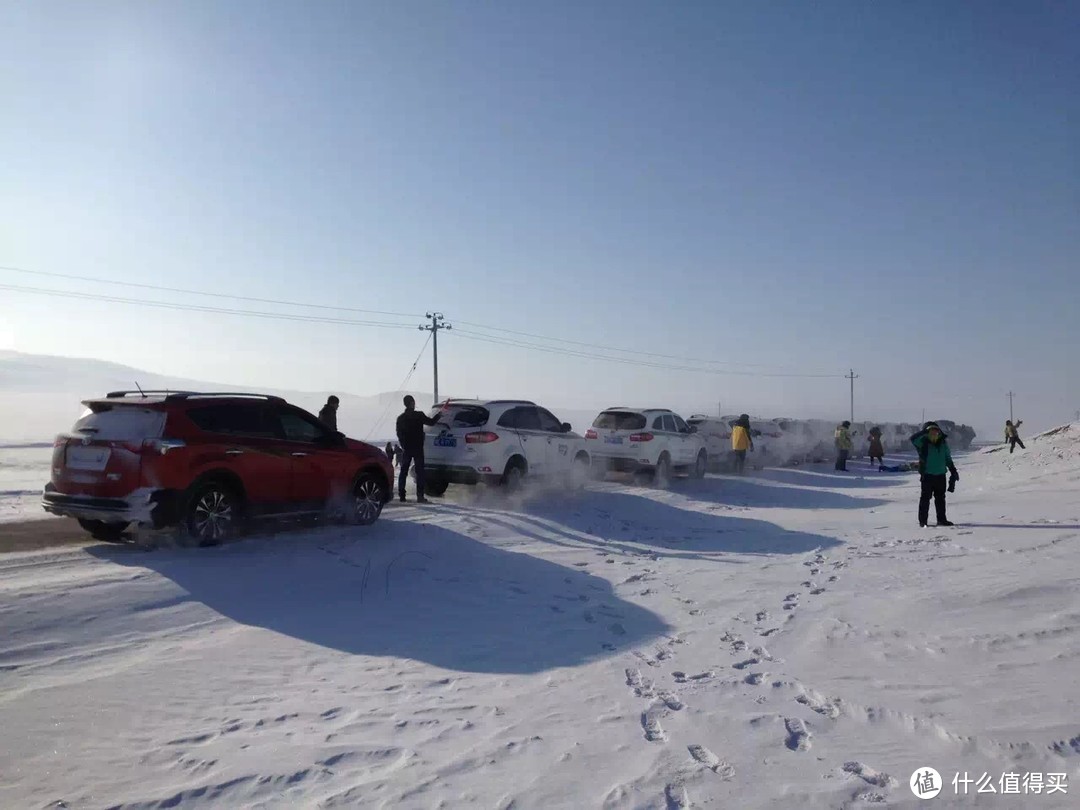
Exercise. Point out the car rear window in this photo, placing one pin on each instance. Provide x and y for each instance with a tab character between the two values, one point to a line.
619	420
122	423
465	416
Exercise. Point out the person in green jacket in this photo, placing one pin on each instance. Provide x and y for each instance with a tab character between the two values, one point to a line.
932	445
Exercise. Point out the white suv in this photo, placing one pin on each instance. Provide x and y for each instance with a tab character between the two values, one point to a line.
651	439
500	441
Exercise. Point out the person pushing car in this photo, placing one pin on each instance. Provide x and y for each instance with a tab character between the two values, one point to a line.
410	434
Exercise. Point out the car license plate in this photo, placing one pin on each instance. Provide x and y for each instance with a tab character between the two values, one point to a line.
613	440
445	441
88	458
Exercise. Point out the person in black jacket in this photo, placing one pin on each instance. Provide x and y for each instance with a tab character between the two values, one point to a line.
410	433
328	414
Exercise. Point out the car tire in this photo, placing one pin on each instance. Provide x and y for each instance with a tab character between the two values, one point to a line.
212	513
106	532
368	499
514	477
701	466
662	473
435	487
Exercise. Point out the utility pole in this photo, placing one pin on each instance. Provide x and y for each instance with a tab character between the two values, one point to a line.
1010	406
852	376
437	323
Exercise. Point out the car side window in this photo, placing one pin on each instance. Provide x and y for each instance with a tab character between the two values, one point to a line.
528	419
511	418
300	428
658	423
680	425
669	423
548	422
235	419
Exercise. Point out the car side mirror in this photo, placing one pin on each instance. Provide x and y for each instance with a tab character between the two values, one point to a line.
566	427
693	428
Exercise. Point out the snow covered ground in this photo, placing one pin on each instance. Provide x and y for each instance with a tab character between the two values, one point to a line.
24	471
789	639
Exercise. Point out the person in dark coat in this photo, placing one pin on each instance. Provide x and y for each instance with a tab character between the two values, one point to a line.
328	414
934	459
410	433
877	450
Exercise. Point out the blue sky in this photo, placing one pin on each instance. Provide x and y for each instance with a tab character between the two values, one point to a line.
795	187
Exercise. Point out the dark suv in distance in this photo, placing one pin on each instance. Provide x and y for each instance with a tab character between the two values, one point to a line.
209	463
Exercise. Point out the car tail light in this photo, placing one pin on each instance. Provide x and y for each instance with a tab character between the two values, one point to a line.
163	446
481	437
591	434
641	437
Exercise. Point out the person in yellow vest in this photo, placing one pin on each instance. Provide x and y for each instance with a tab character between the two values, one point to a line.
741	441
843	445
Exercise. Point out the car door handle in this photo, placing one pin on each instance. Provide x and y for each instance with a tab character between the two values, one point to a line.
234	452
299	455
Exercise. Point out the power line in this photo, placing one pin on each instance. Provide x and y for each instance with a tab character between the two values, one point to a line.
616	348
469	335
184	291
401	387
284	316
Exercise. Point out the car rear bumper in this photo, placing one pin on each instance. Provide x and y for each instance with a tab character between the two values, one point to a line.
458	474
620	463
146	506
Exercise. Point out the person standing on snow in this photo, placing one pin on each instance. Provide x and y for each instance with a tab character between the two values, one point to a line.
1012	434
934	460
877	450
328	414
842	440
410	433
741	441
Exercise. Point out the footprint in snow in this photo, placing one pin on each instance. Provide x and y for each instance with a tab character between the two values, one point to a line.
617	629
832	578
762	616
676	797
817	591
671	700
869	775
826	709
798	738
642	687
654	732
704	756
755	678
769	632
749	662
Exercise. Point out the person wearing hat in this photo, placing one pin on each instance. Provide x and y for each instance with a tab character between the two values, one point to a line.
842	439
741	441
935	460
328	414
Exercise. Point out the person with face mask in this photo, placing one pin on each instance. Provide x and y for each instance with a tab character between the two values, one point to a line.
935	460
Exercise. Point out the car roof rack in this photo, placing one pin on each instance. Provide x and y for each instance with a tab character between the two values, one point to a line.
171	395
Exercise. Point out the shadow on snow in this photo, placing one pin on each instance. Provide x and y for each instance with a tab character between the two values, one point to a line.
408	590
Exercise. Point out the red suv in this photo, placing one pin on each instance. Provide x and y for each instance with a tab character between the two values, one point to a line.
208	463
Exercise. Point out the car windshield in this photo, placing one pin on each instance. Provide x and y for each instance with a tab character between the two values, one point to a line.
460	415
619	420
